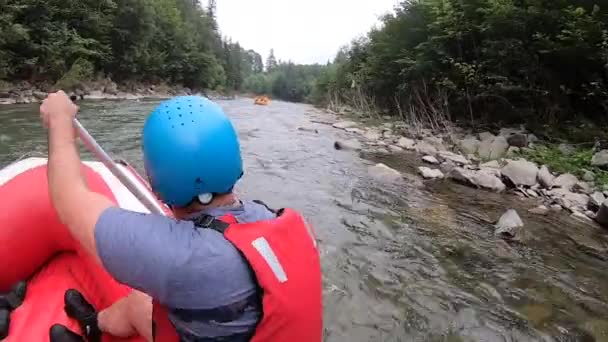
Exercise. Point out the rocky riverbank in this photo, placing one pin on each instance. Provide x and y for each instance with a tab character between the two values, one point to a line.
490	161
24	92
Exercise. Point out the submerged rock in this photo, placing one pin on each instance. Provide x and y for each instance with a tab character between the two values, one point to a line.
430	160
347	145
510	226
600	159
545	178
520	172
384	173
540	210
428	173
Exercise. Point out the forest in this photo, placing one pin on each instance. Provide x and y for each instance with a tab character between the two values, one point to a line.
427	60
72	41
513	61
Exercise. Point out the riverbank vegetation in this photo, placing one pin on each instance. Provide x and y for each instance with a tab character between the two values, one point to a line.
67	43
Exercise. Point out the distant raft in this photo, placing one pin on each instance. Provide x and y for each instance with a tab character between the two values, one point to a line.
262	100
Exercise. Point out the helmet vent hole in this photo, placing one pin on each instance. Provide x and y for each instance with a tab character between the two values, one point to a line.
180	115
178	108
182	123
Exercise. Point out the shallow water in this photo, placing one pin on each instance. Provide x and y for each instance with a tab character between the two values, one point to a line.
409	261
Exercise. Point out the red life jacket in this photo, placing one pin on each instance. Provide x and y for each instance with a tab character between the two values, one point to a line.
283	255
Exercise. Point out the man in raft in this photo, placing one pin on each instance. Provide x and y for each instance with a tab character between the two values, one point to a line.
223	269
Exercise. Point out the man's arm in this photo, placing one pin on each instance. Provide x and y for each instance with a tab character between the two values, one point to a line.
78	207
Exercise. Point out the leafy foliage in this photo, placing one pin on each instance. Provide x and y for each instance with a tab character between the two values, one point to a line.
286	81
497	60
173	41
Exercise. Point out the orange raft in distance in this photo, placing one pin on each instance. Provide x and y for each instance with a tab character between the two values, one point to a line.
36	247
262	100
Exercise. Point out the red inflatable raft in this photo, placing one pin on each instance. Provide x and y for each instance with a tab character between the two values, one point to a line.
36	247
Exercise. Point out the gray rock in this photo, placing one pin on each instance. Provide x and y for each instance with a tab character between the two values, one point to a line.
600	159
5	94
518	140
355	130
532	139
425	148
531	193
509	226
570	200
478	178
556	207
581	187
96	94
436	142
483	136
39	95
566	149
394	148
508	131
540	210
430	160
406	143
520	172
469	145
580	216
428	173
372	135
456	158
602	214
347	145
590	214
491	171
472	158
447	166
565	181
494	149
384	173
595	200
588	176
491	164
344	124
545	178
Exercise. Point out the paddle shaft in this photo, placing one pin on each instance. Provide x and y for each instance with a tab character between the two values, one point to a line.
144	196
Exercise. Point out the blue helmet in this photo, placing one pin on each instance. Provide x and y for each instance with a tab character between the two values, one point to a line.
190	149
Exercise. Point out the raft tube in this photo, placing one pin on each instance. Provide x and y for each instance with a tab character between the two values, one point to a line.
36	247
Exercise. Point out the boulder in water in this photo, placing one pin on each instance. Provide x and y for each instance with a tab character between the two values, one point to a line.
384	173
430	160
478	178
520	172
569	200
454	157
540	210
428	173
510	226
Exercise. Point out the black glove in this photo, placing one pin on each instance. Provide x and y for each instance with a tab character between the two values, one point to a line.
8	303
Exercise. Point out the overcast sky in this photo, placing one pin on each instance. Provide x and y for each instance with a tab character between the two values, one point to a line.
304	31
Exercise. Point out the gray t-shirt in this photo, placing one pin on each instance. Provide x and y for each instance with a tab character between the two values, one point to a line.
181	266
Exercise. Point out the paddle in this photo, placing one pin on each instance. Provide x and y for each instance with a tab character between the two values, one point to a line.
137	189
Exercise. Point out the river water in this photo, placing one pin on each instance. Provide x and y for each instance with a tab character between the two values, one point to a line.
408	261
